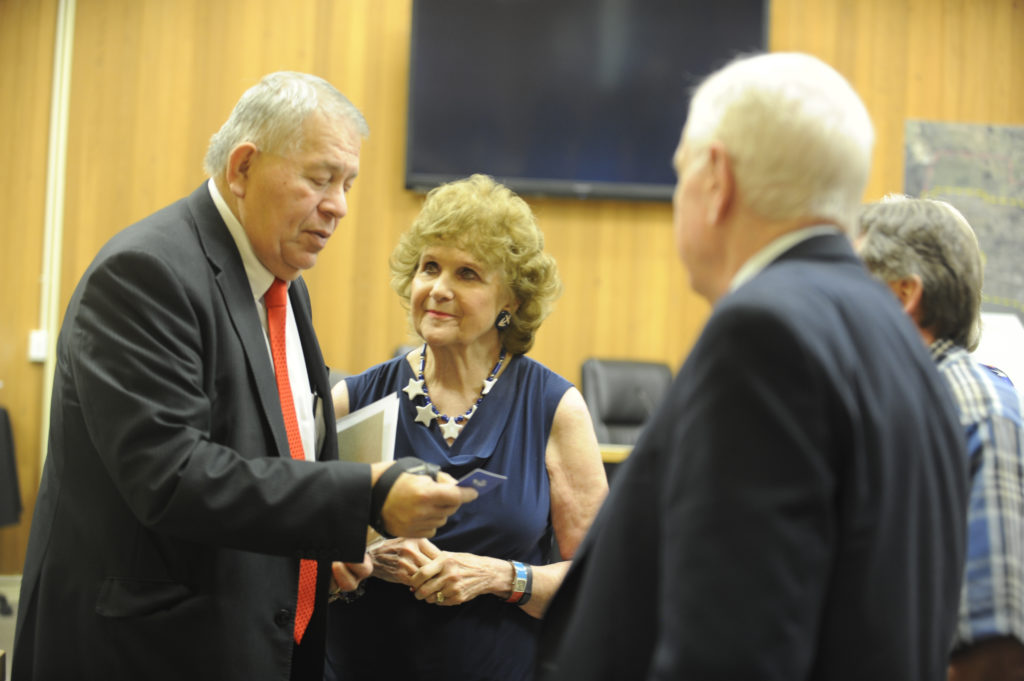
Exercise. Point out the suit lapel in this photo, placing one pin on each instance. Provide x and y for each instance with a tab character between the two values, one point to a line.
316	369
236	294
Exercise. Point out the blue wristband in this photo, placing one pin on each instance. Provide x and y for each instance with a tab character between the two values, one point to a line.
522	583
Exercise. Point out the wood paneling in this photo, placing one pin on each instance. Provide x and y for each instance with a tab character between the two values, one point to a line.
145	104
152	80
26	63
942	60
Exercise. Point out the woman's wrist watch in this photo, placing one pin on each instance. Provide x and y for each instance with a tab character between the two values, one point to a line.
522	583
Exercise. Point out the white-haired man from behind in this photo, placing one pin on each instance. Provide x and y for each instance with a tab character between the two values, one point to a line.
927	253
794	510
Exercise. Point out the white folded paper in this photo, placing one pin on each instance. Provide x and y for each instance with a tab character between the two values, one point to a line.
367	435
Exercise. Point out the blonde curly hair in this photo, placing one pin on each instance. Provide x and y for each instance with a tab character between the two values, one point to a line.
488	221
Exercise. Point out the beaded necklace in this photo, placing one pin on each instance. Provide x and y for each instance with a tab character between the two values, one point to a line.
427	412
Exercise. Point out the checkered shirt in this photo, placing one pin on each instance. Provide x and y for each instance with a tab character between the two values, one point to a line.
990	408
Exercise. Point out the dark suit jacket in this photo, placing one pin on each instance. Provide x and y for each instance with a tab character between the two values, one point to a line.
796	509
170	520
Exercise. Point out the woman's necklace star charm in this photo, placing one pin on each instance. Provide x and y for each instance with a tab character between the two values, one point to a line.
450	429
424	414
414	389
427	412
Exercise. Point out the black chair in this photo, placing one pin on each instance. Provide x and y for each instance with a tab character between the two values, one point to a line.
621	395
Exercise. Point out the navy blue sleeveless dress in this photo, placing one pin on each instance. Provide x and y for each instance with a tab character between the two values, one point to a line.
387	634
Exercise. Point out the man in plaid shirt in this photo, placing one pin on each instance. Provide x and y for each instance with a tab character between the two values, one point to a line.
926	252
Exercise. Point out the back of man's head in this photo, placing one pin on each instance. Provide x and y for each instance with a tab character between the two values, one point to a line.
901	238
798	135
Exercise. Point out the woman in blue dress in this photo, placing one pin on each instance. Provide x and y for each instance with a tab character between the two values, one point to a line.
473	273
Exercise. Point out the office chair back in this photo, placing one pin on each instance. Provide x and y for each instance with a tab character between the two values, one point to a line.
622	395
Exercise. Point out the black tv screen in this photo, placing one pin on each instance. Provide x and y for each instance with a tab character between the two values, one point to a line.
564	97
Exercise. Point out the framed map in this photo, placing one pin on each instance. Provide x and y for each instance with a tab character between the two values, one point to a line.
980	170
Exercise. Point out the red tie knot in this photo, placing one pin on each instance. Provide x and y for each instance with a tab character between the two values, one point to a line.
277	294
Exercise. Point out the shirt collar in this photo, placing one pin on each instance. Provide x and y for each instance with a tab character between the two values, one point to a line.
774	249
260	278
940	348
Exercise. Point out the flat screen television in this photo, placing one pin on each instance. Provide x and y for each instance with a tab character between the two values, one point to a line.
580	98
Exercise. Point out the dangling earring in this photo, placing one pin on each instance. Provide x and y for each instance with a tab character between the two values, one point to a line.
503	320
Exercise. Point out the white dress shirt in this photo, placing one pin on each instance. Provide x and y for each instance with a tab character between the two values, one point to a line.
311	425
774	249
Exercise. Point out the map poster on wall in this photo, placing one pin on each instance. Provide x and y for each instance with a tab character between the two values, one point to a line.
979	169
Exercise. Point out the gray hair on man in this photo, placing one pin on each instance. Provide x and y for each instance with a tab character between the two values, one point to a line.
271	114
902	237
799	136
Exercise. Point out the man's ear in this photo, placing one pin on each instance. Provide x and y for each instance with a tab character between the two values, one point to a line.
239	167
721	184
909	290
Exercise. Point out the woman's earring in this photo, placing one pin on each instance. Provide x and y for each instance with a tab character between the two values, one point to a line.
503	320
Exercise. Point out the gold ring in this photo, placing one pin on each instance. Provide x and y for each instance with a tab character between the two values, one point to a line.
439	597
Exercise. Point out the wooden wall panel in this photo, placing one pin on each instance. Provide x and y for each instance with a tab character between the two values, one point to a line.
145	103
26	63
153	80
943	60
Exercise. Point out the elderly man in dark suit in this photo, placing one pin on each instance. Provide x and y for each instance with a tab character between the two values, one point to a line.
795	509
189	510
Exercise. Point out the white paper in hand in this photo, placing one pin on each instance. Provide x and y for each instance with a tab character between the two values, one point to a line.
367	435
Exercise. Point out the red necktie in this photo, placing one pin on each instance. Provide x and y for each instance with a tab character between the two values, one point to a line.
276	300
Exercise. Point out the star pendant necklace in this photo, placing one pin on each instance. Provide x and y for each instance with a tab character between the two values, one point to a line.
427	412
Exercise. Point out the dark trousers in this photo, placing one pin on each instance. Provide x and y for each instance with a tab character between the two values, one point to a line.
308	657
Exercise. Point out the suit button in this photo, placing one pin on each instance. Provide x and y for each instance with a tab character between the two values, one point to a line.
283	618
